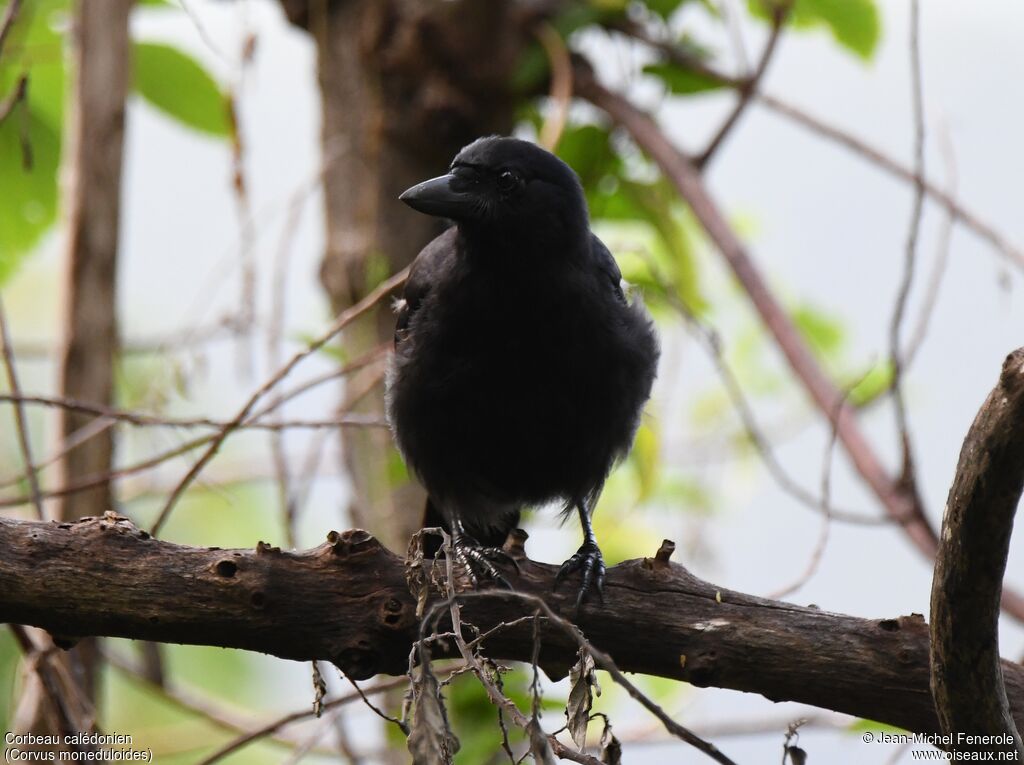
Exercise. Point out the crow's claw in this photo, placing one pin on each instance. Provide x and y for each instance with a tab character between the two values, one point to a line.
587	559
479	562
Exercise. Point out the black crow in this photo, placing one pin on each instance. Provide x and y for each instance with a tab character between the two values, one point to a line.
520	368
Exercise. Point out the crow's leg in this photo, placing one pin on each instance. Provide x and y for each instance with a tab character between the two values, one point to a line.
477	560
587	559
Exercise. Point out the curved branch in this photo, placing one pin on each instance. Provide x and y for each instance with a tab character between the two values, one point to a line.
347	601
967	675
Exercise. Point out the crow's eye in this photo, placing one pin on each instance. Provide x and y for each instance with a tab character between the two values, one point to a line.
508	180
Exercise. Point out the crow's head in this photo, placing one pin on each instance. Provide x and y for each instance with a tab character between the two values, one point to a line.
504	185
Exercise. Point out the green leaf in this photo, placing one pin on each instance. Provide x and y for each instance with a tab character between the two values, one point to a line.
587	149
646	458
530	71
28	174
663	8
870	726
824	333
872	385
177	85
29	193
36	48
855	24
683	81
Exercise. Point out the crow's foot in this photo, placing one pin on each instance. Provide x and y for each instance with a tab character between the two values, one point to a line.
479	562
587	559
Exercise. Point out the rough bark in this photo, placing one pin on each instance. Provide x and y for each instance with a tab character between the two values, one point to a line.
967	674
404	85
348	602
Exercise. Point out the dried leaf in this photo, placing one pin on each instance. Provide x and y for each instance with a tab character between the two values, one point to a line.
581	697
319	690
416	576
611	749
431	741
540	747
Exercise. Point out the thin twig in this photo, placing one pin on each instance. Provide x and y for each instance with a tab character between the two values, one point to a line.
499	699
233	721
750	85
376	710
10	14
908	475
931	294
275	337
272	727
826	502
186	338
732	15
343	320
90	481
711	339
19	416
16	96
145	419
343	418
966	217
605	662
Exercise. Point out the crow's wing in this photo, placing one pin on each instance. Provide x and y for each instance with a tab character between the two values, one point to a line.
604	260
429	267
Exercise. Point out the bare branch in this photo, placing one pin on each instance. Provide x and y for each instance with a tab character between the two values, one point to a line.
10	14
19	416
605	662
274	726
931	295
908	477
712	341
215	712
969	682
132	417
343	320
746	91
102	576
15	97
968	218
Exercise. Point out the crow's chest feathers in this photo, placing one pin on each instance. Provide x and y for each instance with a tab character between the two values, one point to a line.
519	318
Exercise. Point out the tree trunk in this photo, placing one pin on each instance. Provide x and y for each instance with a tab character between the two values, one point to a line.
100	55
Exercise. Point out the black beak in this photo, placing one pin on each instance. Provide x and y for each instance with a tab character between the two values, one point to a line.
437	197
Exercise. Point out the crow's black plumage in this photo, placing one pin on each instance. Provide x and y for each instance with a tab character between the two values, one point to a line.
520	368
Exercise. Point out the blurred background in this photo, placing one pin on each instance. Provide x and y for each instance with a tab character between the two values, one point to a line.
264	147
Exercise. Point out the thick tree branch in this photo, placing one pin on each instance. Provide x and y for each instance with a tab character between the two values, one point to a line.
348	602
967	675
